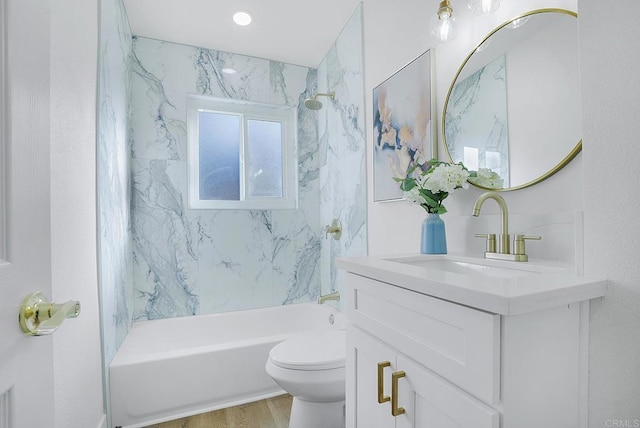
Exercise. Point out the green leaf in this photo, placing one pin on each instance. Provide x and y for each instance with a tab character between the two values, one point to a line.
407	184
427	197
441	210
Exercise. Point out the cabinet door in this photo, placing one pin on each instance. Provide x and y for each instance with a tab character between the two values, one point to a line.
364	353
460	344
432	402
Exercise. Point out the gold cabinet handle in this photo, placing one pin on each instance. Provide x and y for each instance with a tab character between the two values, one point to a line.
395	410
381	397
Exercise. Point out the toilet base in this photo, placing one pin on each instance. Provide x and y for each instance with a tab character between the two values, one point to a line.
308	414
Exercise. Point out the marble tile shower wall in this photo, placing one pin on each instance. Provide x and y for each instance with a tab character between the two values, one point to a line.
113	176
190	262
342	150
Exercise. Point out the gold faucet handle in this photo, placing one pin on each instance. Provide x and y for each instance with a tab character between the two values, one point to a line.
518	243
491	241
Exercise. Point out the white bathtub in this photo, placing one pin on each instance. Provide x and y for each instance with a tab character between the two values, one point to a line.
168	369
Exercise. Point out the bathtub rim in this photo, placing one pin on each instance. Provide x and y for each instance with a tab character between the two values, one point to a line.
125	356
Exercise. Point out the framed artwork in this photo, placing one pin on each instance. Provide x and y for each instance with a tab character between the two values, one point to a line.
402	125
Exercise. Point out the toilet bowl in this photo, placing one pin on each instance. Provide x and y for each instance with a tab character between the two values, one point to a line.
311	367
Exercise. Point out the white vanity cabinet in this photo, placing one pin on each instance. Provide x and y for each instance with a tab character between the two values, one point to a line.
457	366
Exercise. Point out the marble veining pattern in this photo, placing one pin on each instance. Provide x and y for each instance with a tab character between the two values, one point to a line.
113	177
342	151
155	104
189	262
158	211
203	261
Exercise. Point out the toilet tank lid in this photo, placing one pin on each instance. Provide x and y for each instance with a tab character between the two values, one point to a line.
314	350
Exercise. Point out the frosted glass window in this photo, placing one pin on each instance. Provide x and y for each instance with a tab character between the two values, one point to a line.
219	141
242	155
264	158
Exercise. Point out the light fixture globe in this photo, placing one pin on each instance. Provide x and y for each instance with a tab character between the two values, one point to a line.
483	7
443	27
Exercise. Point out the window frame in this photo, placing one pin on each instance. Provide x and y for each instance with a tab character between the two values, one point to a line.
246	110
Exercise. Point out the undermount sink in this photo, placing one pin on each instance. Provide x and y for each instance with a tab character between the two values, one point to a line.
473	266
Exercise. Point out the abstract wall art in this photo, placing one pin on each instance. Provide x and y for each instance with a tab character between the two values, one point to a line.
402	125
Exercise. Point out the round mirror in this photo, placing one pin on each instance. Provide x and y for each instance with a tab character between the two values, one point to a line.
514	104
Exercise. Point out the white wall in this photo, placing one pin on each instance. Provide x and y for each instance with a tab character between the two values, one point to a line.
396	33
77	359
610	41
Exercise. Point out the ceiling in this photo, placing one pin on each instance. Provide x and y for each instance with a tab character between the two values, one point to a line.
293	31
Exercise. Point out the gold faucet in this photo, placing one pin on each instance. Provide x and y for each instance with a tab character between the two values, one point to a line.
504	249
333	296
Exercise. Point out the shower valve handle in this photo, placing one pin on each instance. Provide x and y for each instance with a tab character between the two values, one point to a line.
335	229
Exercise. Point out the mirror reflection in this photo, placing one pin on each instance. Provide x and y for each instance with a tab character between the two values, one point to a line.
514	105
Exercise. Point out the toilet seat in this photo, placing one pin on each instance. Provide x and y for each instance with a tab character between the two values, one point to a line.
318	350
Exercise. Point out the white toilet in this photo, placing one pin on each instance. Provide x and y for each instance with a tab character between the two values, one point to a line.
311	367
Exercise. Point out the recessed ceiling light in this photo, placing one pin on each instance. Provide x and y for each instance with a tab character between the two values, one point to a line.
242	17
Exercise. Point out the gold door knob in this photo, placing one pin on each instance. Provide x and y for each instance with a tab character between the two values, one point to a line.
39	317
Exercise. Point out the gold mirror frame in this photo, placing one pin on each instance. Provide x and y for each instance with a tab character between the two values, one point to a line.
572	154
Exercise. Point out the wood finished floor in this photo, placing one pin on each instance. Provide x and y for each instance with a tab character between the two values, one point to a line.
270	413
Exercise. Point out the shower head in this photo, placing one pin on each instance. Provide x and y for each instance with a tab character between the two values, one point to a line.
314	104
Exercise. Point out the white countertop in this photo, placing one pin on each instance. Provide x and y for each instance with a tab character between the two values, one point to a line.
535	285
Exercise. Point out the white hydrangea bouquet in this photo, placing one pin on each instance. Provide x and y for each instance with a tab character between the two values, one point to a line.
486	178
428	184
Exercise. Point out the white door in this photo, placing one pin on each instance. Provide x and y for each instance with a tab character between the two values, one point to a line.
26	362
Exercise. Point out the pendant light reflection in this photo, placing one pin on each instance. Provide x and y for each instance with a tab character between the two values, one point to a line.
443	23
483	7
484	45
518	22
